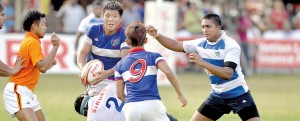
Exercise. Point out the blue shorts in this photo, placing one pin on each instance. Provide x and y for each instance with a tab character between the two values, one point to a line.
214	107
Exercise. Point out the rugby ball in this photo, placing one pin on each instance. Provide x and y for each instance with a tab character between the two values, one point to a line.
88	72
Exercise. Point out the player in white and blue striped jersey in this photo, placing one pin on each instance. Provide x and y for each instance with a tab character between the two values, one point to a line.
219	55
106	43
138	71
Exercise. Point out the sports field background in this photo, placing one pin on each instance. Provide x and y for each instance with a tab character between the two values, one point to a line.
277	96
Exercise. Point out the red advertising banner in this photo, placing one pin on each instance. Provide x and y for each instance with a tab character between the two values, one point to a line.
277	53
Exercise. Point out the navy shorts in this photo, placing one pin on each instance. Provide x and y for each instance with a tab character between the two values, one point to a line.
214	107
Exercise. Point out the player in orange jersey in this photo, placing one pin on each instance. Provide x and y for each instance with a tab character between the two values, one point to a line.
18	96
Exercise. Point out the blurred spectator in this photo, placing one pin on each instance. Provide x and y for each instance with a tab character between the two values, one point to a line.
253	32
70	15
275	34
193	18
93	19
141	9
182	8
51	24
243	24
131	13
278	14
210	6
296	20
10	16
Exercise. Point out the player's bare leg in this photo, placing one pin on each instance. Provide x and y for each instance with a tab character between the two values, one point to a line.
40	115
254	119
26	114
199	117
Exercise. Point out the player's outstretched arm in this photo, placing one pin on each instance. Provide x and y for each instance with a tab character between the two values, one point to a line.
83	52
163	66
6	71
18	66
222	72
49	60
101	75
165	41
120	90
78	35
3	74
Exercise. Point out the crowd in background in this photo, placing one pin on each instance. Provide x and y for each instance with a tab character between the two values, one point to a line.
247	19
243	20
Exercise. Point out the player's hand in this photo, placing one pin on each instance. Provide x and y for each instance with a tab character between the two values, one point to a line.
101	75
152	31
196	58
18	65
182	100
55	40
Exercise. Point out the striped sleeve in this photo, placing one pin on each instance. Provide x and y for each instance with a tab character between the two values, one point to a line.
88	40
124	45
91	33
233	55
117	73
190	46
159	59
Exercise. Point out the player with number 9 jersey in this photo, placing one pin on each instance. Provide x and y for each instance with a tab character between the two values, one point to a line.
138	71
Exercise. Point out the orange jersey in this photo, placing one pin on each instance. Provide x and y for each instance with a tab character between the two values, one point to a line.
31	51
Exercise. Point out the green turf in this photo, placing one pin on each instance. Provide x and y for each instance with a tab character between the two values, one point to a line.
277	97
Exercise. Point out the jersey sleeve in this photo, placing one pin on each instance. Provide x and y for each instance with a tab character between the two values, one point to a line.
159	58
90	34
233	55
190	46
35	51
118	73
124	45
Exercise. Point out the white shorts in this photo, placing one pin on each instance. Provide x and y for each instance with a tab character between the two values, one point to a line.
16	97
94	90
148	110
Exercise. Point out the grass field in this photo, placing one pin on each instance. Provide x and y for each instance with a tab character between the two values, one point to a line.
277	97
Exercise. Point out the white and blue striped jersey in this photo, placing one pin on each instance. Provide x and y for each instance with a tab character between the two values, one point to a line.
106	106
225	49
139	72
106	48
89	21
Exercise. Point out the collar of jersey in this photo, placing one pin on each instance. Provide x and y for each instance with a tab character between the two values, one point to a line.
136	49
32	35
223	35
118	28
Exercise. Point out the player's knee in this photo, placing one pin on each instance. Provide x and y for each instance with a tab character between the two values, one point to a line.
26	114
249	112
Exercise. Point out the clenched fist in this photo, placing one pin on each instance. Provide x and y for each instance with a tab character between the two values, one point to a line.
55	39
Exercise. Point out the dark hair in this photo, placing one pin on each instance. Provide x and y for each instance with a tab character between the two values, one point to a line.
77	104
114	5
136	33
1	8
214	17
97	3
32	17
